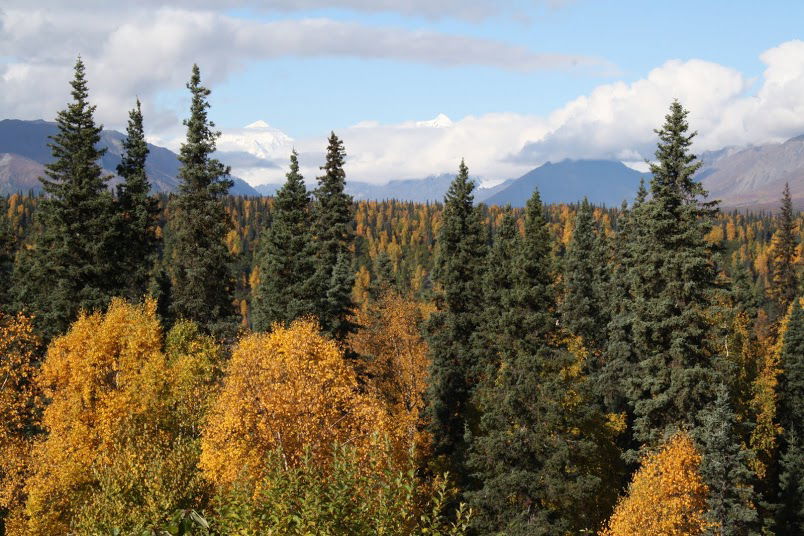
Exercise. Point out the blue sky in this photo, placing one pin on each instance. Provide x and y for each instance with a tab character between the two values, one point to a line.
635	36
521	81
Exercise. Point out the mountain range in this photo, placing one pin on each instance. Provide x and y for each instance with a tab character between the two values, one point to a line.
748	177
24	152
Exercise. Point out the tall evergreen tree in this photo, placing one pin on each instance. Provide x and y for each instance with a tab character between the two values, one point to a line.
790	518
725	469
334	237
286	261
584	311
338	305
660	346
536	458
458	272
136	246
69	268
200	267
620	358
784	280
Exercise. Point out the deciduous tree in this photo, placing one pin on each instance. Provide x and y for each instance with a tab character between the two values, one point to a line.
289	389
666	497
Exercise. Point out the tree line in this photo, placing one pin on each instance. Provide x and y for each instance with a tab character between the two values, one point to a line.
394	368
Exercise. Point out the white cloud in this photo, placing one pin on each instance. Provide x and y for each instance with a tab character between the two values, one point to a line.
614	121
469	10
144	51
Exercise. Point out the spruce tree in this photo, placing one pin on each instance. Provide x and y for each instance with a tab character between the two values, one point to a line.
200	267
69	268
334	238
584	311
784	280
660	344
458	273
608	377
536	459
338	305
725	469
790	495
499	329
286	258
136	246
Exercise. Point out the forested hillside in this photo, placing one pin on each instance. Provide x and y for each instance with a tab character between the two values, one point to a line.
199	363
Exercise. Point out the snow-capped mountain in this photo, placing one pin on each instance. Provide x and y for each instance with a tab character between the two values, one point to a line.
258	139
440	121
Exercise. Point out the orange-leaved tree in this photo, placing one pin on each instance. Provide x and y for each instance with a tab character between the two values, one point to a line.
395	357
289	390
19	412
667	496
122	445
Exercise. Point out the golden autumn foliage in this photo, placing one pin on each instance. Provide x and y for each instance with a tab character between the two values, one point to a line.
396	357
120	448
289	389
765	398
18	409
667	496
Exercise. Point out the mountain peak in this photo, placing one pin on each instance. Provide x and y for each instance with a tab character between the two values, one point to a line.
440	121
258	124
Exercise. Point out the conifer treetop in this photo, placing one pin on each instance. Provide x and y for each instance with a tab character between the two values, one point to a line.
199	171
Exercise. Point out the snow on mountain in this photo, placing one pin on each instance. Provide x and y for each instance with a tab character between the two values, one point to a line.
259	139
440	121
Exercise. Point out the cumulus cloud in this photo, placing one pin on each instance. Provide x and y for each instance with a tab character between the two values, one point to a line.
617	120
614	121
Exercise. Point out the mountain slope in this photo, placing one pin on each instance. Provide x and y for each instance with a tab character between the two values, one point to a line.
24	149
754	177
604	182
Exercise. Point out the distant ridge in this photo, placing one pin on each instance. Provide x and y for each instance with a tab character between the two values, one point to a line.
754	177
24	152
603	182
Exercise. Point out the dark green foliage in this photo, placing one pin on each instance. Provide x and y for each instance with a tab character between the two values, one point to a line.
540	447
334	237
784	280
136	244
725	469
535	292
383	278
339	300
202	285
584	311
791	418
7	249
499	330
743	294
459	274
660	344
286	262
545	466
70	267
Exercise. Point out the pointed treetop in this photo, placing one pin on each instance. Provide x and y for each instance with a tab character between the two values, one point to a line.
642	193
675	165
460	190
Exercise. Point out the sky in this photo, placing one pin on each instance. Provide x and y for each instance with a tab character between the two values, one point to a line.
413	86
